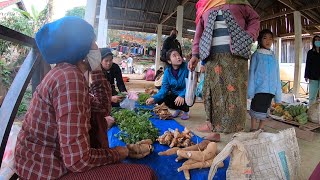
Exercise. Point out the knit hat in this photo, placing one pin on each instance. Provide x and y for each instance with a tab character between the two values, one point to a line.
67	39
105	52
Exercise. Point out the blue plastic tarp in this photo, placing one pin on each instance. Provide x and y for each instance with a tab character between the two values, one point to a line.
165	166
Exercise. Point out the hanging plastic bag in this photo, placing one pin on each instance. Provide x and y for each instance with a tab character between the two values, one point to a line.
128	104
200	86
191	83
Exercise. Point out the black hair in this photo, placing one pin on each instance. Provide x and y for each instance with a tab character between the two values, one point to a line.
169	54
260	37
313	41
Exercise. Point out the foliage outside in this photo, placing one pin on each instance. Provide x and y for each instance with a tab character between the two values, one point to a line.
76	11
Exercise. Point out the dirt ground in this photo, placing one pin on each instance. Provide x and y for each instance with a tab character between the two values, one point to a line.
309	151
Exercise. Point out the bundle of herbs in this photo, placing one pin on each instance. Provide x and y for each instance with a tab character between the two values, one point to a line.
134	127
143	98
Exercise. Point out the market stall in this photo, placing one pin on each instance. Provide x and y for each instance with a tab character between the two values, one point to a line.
165	166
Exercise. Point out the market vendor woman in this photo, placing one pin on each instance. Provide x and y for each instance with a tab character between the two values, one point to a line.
112	72
173	88
55	138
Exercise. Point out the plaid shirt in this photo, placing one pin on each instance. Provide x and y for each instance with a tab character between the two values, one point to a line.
54	138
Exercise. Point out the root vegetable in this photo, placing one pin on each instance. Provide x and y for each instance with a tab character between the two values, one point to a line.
139	150
200	147
176	135
192	164
186	174
146	141
208	153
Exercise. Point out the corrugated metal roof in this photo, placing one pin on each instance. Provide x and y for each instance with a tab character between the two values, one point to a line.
144	15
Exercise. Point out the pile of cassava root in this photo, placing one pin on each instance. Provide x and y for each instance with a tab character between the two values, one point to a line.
141	149
199	156
176	139
162	111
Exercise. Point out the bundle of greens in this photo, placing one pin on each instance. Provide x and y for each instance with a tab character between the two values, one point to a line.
143	98
134	127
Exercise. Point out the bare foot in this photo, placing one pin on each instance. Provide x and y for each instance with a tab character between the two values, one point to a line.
207	127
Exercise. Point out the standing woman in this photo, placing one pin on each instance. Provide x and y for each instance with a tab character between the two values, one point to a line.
224	33
312	71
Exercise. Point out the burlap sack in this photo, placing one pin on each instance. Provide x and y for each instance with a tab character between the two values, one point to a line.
314	113
261	155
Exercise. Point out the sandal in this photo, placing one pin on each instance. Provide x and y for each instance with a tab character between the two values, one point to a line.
215	137
176	114
205	128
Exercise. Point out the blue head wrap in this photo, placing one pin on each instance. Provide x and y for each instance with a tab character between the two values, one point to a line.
65	40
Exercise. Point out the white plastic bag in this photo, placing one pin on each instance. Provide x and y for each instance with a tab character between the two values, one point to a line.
128	104
7	166
191	84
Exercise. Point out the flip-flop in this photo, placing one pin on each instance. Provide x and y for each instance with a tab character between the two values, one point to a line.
215	137
204	128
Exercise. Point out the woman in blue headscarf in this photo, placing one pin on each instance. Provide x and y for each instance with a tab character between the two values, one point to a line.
63	132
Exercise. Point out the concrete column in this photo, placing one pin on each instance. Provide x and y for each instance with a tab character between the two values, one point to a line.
298	52
158	50
90	13
179	24
103	25
278	49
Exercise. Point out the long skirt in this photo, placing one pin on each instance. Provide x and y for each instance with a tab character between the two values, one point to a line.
225	92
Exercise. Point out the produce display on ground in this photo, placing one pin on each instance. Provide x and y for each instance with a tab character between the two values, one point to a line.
134	126
175	138
143	98
162	111
198	156
291	112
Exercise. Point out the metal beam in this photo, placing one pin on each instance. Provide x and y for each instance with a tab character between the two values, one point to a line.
170	15
125	11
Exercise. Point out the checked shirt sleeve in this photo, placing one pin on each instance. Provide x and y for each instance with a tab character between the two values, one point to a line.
72	110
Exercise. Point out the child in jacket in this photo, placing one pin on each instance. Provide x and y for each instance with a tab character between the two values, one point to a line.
264	80
173	88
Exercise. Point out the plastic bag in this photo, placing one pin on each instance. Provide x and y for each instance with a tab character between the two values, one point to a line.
200	86
314	113
128	104
191	83
7	166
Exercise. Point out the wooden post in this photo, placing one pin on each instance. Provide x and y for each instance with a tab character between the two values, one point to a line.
298	52
158	50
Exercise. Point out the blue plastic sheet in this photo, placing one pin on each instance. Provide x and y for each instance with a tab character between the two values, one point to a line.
165	166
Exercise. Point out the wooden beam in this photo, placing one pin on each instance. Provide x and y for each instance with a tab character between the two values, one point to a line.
15	37
255	7
288	3
170	15
276	15
125	11
163	6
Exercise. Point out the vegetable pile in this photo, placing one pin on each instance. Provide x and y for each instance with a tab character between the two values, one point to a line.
176	139
134	127
141	149
162	111
292	112
198	156
143	98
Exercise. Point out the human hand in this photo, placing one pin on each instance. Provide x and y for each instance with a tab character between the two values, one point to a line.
202	69
306	79
123	152
179	101
193	63
150	101
116	99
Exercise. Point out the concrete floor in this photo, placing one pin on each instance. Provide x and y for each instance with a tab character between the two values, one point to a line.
309	151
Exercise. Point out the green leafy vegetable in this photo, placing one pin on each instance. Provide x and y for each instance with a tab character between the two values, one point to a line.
143	98
134	127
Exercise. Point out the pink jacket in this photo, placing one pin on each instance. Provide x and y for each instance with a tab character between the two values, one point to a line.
245	16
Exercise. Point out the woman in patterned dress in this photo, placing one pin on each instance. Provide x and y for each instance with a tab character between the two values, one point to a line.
224	33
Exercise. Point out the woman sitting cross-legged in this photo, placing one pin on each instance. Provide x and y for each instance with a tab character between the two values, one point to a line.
173	87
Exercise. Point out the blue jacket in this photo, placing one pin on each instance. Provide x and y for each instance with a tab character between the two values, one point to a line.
170	83
264	75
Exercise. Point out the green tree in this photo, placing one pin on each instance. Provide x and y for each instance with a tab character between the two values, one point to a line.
76	11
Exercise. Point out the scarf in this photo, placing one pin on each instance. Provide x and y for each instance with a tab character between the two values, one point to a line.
204	5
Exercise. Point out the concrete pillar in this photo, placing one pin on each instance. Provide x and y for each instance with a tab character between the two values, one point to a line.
179	23
158	50
103	25
90	13
278	49
298	52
